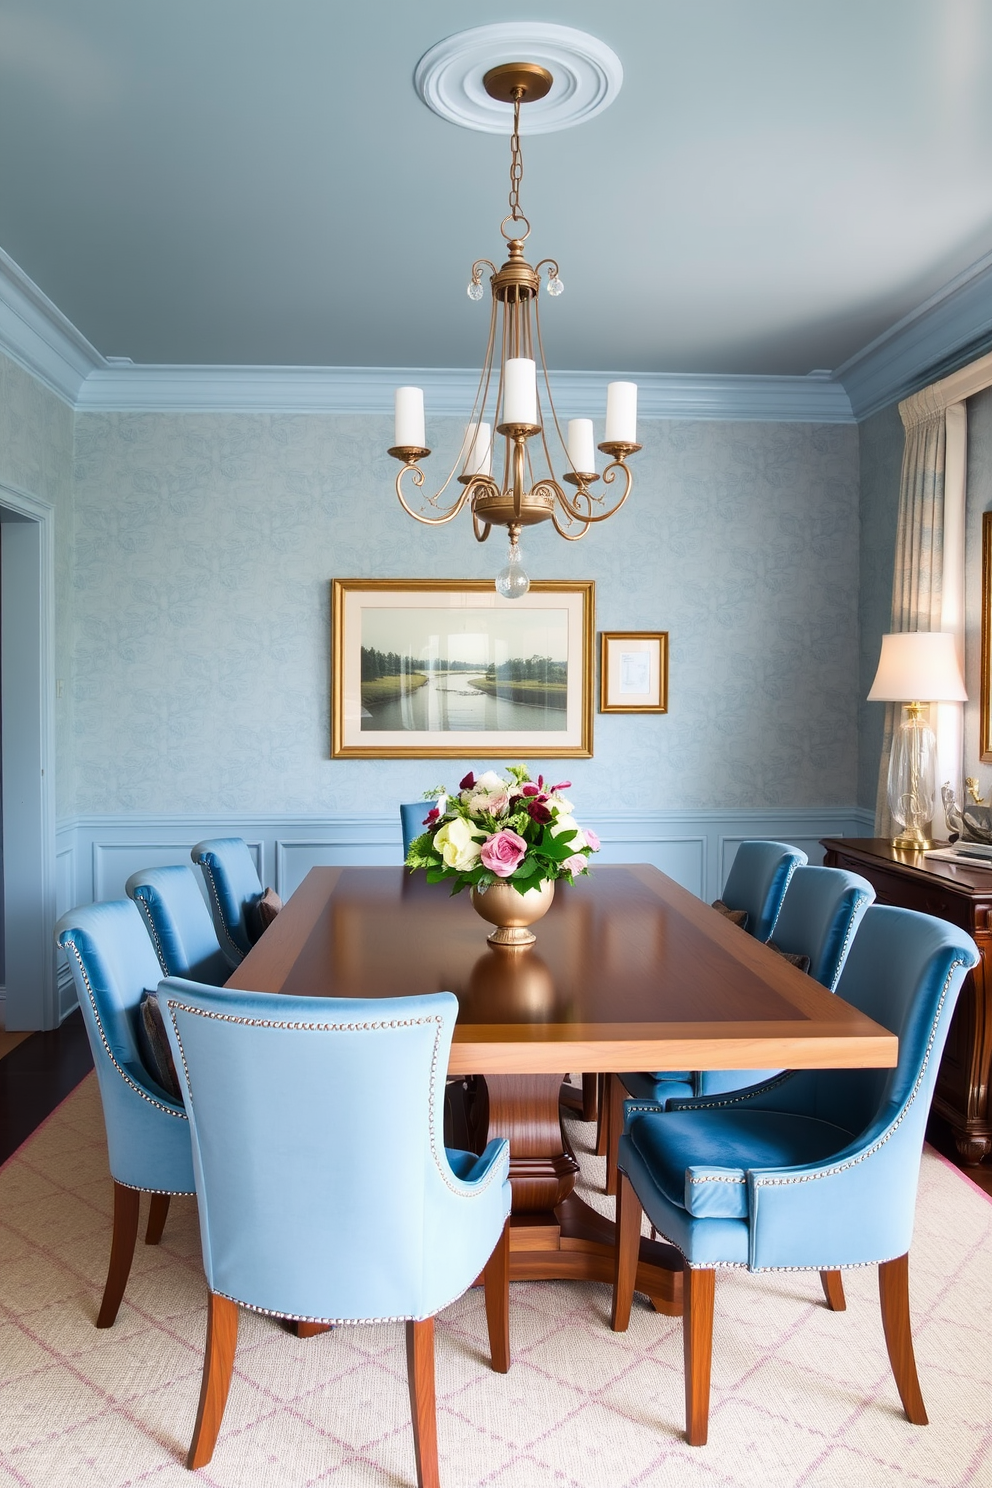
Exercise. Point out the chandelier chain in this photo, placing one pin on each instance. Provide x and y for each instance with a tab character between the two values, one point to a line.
516	158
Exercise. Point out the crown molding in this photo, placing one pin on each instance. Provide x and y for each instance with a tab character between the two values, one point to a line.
37	336
945	332
449	393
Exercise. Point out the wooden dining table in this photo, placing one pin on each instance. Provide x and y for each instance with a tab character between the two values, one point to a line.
630	971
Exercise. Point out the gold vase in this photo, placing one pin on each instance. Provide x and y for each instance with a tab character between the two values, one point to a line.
511	912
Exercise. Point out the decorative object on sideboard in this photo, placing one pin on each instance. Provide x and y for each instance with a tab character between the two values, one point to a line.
633	671
424	668
971	822
509	399
916	668
507	838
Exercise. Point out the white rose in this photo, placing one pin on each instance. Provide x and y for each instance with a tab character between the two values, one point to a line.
495	803
458	846
490	782
564	808
569	824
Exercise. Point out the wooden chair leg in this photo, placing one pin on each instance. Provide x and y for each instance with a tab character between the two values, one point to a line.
893	1292
423	1410
626	1252
603	1116
158	1213
833	1289
126	1202
616	1095
697	1342
218	1365
590	1097
496	1279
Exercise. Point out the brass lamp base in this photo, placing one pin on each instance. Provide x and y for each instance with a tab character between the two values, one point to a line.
913	839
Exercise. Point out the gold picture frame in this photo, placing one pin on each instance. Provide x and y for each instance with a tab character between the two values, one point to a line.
985	722
447	668
633	671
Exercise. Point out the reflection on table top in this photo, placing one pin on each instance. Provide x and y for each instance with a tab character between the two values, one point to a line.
630	971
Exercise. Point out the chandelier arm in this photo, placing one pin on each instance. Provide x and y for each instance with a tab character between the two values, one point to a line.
481	529
563	531
609	476
418	480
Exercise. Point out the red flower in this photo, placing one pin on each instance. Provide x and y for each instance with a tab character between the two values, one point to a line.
565	785
468	782
530	789
431	816
538	812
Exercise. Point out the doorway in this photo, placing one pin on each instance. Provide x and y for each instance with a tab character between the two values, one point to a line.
27	757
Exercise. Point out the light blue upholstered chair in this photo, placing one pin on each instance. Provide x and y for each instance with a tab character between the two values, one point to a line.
321	1202
815	1170
233	888
819	917
412	815
113	964
179	923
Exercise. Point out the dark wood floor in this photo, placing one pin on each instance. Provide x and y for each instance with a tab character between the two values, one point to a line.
45	1068
36	1076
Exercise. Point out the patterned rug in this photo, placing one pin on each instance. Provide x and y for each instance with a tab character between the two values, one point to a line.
801	1396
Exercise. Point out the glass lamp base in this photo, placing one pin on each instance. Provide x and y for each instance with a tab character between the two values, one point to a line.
914	840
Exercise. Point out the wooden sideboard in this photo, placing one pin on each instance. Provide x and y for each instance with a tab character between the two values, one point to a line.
963	895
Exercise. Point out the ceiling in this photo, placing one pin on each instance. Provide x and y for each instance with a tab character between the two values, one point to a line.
256	181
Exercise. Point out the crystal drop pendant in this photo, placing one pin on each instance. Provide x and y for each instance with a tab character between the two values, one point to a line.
555	286
511	581
474	291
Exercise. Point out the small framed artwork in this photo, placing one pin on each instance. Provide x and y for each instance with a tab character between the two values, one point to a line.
424	668
633	671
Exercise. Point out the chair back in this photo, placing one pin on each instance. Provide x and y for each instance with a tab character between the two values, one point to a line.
179	923
322	1184
113	964
820	914
412	815
757	881
233	887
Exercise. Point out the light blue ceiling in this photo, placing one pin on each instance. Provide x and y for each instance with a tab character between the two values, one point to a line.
255	181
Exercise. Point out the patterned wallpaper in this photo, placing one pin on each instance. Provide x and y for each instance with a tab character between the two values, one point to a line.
979	502
205	546
881	440
36	433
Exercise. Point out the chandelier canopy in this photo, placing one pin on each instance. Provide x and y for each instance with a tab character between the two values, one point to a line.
509	399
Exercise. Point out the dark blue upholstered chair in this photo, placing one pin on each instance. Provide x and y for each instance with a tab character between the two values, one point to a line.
233	888
757	881
814	1170
412	815
179	923
113	964
819	917
320	1202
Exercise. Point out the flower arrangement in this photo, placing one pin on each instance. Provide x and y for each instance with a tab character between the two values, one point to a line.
495	830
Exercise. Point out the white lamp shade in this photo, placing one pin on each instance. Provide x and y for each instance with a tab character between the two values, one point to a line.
918	666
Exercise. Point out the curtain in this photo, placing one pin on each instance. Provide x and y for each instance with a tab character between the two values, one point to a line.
928	581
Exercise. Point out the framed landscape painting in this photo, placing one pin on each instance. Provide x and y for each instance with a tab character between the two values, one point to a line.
424	668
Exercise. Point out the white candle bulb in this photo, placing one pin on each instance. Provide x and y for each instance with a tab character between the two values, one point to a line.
519	391
479	443
409	425
581	449
621	413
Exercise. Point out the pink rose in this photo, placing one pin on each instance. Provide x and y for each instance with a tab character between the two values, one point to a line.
502	852
575	864
592	840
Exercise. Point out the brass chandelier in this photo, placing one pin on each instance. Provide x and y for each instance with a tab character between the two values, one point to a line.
508	398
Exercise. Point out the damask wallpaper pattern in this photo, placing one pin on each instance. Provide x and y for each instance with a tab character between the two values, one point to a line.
204	549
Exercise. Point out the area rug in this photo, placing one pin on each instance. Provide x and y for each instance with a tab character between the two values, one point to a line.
801	1396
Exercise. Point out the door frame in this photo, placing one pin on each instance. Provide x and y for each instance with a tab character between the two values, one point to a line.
27	678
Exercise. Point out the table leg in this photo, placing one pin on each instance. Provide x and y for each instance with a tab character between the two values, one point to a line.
553	1232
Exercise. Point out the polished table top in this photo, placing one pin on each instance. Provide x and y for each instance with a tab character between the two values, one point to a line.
630	972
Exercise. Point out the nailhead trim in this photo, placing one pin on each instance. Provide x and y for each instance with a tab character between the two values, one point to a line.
179	1115
142	904
716	1178
208	874
374	1026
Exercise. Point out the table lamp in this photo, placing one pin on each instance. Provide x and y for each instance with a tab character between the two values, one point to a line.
916	668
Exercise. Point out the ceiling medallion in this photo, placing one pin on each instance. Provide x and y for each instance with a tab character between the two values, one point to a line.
508	397
587	75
